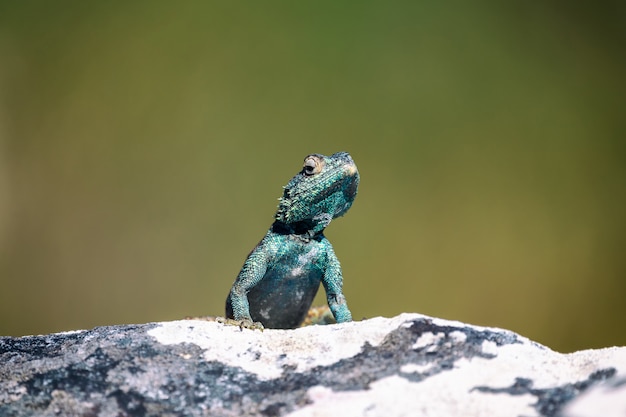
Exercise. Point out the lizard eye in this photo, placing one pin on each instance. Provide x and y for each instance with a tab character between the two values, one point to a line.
312	166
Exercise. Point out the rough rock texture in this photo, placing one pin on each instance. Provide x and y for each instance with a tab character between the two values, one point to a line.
407	365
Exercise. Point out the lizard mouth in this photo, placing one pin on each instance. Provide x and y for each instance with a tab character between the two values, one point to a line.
341	191
348	184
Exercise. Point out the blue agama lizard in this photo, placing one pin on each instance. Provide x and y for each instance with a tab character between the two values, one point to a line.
282	274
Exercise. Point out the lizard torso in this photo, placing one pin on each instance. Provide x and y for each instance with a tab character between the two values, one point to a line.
282	274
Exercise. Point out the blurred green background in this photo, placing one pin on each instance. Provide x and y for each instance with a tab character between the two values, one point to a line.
143	146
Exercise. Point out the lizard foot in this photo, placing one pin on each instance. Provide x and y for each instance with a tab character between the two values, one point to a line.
242	324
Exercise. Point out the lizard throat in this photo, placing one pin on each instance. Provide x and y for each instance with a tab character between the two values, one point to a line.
301	229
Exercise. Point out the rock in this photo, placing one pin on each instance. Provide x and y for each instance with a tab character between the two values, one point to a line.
606	400
407	365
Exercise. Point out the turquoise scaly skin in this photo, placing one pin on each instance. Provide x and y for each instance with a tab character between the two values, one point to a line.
282	274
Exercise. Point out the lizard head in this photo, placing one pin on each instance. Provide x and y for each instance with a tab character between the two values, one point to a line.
323	190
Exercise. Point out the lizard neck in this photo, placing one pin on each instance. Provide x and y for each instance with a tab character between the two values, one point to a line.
304	230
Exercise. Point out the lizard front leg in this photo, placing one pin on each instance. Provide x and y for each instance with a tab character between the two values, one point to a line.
333	285
237	305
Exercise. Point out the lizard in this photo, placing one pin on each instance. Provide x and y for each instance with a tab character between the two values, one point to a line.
281	276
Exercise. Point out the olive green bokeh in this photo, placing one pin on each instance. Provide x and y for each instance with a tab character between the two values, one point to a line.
143	146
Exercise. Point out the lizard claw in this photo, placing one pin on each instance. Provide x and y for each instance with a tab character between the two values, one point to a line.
252	325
